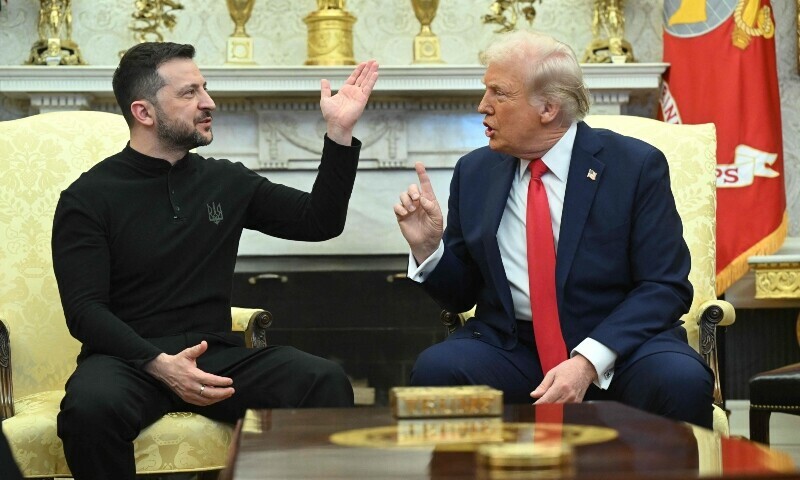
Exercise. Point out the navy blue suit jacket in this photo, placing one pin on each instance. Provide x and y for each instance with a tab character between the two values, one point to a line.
622	264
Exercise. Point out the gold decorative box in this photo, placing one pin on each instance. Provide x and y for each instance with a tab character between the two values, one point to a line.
427	402
436	431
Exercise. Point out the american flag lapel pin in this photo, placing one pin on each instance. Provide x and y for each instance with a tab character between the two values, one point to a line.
591	175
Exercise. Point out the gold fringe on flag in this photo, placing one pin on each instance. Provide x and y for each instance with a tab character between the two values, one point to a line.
739	266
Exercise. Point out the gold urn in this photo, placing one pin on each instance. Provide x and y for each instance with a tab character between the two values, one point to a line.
330	34
426	43
240	44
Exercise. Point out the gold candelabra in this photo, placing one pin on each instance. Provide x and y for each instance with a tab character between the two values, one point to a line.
240	44
506	13
330	34
608	34
55	45
426	43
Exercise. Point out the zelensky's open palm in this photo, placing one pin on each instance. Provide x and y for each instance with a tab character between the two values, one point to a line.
180	373
420	216
342	110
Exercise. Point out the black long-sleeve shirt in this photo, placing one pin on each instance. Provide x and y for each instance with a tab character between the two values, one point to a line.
145	249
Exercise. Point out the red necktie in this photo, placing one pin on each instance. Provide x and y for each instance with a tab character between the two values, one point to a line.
542	273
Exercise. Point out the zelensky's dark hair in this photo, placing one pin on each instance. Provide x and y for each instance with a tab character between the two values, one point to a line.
136	77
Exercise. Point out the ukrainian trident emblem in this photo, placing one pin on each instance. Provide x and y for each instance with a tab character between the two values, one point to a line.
214	213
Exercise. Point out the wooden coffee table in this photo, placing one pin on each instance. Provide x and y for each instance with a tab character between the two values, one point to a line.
606	440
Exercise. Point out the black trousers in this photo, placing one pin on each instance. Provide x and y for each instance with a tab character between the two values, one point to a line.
8	469
108	401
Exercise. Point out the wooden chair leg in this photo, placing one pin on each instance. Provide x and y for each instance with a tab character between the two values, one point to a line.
759	426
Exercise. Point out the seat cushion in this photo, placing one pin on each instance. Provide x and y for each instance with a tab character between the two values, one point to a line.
178	442
777	389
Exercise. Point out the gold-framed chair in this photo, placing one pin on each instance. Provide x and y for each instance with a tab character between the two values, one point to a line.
691	153
41	155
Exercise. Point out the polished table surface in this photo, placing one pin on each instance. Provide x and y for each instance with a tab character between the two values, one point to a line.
607	440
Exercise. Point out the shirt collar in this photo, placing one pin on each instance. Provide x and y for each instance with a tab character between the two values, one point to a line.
558	157
153	164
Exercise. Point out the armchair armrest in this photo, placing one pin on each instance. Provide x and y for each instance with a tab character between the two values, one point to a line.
254	323
714	313
452	321
6	387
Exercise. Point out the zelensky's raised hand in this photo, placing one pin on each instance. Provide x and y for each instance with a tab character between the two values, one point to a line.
342	110
420	216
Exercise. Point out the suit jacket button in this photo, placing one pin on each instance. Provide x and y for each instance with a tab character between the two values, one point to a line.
476	334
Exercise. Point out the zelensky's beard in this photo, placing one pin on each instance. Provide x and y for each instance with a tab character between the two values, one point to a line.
180	136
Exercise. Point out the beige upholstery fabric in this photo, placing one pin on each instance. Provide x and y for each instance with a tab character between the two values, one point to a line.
240	317
42	155
691	153
721	424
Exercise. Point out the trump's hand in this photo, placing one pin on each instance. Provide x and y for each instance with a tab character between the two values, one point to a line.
566	382
420	217
180	373
341	111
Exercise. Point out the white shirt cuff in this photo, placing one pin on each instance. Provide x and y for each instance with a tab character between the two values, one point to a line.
602	357
420	273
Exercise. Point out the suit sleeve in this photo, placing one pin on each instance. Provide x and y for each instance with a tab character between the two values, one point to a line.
659	263
455	281
288	213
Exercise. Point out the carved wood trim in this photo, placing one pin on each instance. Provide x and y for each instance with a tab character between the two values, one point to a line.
777	280
6	386
451	321
255	336
709	319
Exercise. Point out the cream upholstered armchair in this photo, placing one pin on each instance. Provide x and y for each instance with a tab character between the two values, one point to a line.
691	153
39	157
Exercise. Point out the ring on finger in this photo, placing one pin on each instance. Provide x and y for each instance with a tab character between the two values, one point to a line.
202	389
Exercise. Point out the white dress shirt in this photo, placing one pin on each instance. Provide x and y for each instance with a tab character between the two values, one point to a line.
514	253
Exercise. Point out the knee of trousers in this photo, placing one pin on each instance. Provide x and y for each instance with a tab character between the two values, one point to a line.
91	413
690	393
434	367
682	382
692	379
332	374
329	384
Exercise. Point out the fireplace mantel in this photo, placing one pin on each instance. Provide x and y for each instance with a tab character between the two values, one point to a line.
64	88
268	118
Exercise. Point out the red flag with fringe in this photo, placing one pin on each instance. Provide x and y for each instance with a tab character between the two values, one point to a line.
723	70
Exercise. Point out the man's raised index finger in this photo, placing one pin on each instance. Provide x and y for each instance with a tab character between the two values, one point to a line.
424	180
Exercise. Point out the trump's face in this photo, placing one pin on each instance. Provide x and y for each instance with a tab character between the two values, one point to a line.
512	124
